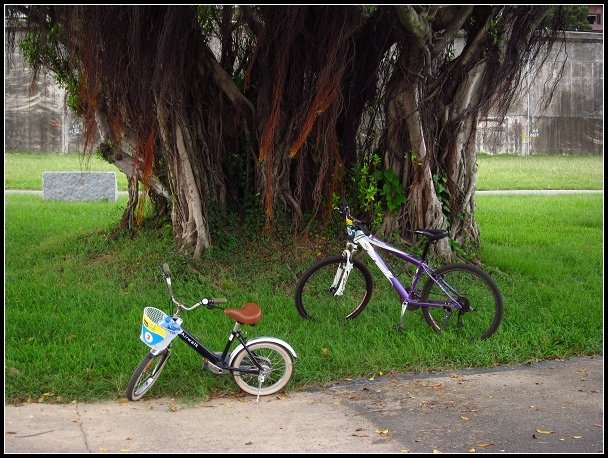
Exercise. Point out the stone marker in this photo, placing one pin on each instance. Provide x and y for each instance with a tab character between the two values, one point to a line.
79	186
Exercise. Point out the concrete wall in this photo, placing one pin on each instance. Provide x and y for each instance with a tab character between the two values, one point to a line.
36	118
572	123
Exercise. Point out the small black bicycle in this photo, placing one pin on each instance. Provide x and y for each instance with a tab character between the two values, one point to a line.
260	366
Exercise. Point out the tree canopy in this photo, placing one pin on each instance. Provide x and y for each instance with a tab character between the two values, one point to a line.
284	107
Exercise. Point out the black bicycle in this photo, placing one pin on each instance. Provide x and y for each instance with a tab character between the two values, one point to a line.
260	366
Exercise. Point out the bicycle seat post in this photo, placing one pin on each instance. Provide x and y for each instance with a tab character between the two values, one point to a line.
425	251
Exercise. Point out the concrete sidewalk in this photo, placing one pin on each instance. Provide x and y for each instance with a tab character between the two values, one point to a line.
546	407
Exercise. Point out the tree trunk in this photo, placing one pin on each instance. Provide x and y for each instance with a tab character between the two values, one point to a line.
117	151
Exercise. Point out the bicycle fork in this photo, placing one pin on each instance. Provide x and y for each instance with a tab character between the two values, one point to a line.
344	269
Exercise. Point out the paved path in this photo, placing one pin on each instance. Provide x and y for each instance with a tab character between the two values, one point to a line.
546	407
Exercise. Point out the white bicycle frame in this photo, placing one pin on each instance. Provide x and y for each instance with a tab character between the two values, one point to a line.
368	242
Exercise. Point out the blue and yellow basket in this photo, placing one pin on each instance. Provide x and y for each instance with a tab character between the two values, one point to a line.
153	334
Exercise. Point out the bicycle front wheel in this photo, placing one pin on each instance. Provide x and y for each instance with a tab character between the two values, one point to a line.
146	374
276	365
475	290
317	296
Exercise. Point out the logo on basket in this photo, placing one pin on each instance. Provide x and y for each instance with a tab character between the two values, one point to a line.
150	337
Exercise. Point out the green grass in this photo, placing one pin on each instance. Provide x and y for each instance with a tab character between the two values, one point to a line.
24	170
539	172
74	299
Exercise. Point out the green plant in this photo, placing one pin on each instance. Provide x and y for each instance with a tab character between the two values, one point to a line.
440	182
391	190
376	190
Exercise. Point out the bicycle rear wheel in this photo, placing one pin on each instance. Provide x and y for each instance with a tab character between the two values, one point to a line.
315	297
476	291
276	364
146	374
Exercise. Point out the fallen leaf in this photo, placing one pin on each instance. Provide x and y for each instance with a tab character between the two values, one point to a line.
325	351
472	450
463	418
172	407
405	450
578	437
454	375
248	443
436	451
102	449
541	431
126	450
485	444
11	432
382	431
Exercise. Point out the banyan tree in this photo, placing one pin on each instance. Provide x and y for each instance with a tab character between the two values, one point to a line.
220	107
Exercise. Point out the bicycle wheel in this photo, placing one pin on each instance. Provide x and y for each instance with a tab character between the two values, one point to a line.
276	363
315	296
476	291
146	374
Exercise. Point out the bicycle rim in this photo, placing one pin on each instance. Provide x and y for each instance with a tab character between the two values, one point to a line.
276	364
316	300
477	291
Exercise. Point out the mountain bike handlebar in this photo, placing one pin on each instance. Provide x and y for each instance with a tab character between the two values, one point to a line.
351	221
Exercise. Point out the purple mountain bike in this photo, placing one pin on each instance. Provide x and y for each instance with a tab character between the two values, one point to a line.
460	298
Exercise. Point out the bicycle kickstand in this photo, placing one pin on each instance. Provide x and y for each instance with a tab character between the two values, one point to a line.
260	381
404	305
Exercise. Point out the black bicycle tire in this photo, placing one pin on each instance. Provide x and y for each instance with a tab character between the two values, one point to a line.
369	285
498	300
132	393
276	386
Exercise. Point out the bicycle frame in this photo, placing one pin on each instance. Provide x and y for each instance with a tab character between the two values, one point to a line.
368	242
218	359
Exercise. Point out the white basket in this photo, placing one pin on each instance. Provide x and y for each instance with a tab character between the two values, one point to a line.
153	334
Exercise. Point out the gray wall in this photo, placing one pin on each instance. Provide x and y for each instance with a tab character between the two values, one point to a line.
36	117
572	123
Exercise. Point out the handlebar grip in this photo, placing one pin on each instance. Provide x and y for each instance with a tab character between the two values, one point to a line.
209	302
